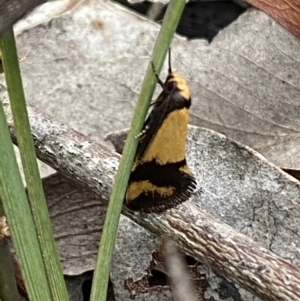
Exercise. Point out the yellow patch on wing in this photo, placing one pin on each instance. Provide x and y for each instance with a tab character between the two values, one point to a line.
181	85
168	145
137	188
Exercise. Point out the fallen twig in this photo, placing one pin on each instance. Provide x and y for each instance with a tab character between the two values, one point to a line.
202	236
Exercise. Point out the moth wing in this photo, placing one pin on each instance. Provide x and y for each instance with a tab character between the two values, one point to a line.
153	123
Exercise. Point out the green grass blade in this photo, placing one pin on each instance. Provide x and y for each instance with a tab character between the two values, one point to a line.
34	185
18	214
103	265
8	285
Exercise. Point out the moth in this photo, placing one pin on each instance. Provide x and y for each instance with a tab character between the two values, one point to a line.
160	178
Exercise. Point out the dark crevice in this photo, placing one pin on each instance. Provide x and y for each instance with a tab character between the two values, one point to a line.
190	261
157	278
200	20
86	289
228	289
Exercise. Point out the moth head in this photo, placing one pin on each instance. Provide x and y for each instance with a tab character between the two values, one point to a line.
177	82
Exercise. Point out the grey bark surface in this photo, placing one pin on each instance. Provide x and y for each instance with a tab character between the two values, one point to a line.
234	255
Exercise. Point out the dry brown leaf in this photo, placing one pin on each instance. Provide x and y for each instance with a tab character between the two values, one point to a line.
245	84
285	12
77	217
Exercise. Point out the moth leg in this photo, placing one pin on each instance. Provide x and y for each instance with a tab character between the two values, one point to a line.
4	230
161	83
141	135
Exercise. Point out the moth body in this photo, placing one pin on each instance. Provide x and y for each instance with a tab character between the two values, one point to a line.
160	178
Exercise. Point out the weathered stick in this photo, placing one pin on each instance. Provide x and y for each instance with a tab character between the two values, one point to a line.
210	241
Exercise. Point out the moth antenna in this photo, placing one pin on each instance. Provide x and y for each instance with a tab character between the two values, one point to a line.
170	68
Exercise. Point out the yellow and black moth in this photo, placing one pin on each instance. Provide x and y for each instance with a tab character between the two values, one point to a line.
160	178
